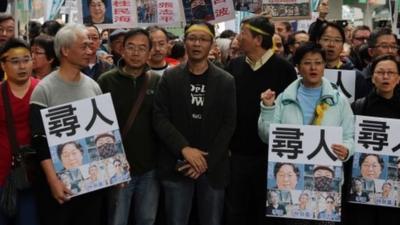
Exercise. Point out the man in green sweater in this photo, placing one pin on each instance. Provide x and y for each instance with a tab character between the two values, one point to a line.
125	85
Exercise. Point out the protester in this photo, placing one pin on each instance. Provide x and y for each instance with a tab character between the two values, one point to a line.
133	75
43	56
66	84
258	69
195	116
16	61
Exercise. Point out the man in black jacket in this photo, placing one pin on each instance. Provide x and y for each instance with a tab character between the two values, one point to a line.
195	116
254	73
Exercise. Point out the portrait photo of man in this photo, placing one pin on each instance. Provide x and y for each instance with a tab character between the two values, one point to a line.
358	194
96	11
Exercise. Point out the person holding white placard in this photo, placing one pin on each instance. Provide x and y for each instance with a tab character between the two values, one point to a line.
384	102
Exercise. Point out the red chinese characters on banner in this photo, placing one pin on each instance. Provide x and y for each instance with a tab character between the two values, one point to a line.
166	12
122	11
221	12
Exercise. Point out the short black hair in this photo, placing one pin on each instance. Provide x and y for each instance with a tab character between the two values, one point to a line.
6	16
278	166
94	26
292	37
363	156
136	31
60	148
104	2
51	27
288	26
13	43
155	28
385	58
373	38
34	28
358	28
332	25
262	23
178	50
309	47
47	43
227	34
104	135
200	22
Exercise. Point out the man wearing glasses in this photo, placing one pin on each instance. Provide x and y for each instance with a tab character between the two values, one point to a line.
381	42
16	61
359	37
332	39
125	83
195	116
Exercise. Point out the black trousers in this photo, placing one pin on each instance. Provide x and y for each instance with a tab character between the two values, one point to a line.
86	209
246	193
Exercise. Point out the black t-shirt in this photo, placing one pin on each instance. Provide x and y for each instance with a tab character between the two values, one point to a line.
198	86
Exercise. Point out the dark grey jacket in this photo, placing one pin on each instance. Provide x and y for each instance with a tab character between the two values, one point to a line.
172	121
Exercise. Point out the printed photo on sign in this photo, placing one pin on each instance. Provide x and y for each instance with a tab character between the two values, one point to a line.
97	11
91	163
376	163
375	179
252	6
304	177
290	176
288	9
310	205
85	144
146	11
198	10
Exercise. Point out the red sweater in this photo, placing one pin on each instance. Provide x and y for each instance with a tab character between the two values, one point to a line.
20	111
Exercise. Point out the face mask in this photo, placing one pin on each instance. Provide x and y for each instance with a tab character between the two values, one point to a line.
107	150
322	183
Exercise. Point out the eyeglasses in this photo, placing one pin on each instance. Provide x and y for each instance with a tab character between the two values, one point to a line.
17	62
373	165
6	30
194	39
387	47
361	38
382	73
329	202
131	49
335	41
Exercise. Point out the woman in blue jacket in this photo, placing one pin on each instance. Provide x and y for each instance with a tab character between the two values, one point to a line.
309	100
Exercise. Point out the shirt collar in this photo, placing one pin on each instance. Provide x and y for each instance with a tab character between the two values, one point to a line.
259	63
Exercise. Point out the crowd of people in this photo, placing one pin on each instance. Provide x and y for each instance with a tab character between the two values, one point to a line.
197	145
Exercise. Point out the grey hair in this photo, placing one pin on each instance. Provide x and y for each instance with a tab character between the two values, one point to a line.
223	45
66	36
